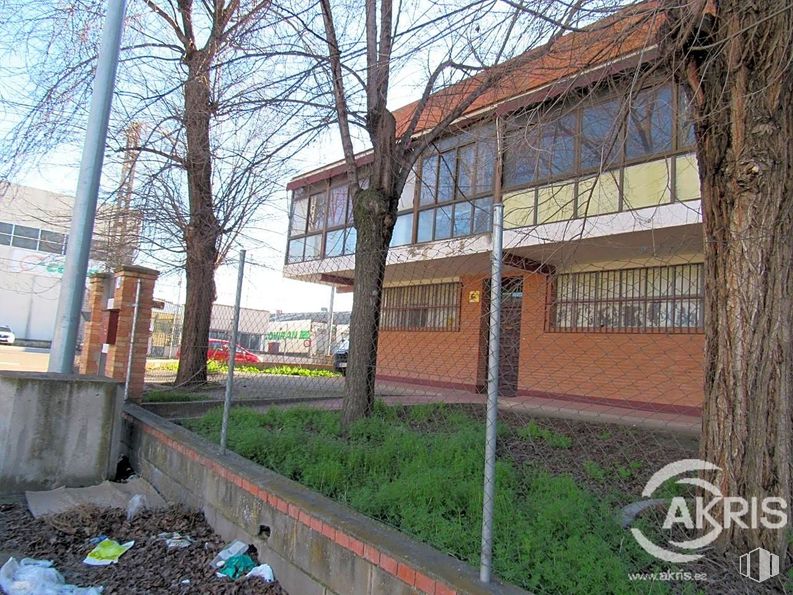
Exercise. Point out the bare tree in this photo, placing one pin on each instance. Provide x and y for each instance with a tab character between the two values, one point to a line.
735	58
201	80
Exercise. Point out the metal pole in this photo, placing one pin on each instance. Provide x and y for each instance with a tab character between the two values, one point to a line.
330	319
235	325
132	340
486	564
70	302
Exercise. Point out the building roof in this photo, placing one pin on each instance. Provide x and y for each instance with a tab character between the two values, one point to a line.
573	60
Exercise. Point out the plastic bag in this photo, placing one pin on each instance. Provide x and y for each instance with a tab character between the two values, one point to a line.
263	571
236	566
37	577
235	548
136	504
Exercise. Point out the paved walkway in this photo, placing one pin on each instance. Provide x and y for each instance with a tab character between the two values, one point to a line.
414	394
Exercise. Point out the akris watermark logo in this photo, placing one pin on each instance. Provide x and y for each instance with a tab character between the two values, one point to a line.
752	513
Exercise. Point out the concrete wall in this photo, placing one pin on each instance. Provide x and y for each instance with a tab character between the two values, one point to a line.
57	429
315	545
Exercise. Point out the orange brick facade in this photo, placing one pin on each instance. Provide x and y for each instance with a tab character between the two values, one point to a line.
647	370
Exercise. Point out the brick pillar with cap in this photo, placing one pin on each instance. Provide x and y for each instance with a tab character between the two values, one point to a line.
120	333
95	329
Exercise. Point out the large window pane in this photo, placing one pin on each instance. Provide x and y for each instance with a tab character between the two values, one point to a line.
424	233
316	212
349	240
334	243
25	237
486	165
685	136
466	163
463	214
600	125
51	242
650	123
408	192
6	228
482	210
337	206
313	247
521	155
443	222
557	146
299	216
429	180
403	230
296	250
446	173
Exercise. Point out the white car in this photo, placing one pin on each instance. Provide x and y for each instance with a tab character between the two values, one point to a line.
7	336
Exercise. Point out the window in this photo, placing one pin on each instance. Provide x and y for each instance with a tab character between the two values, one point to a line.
403	230
455	183
433	307
32	238
650	123
600	125
25	237
337	206
316	212
653	299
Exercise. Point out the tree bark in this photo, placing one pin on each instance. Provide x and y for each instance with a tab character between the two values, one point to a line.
742	96
203	231
374	213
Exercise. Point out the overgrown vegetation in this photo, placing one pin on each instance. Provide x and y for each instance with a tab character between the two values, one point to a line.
419	469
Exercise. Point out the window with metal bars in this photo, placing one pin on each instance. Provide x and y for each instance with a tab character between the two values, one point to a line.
433	307
653	299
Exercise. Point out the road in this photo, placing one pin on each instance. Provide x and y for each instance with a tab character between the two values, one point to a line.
23	359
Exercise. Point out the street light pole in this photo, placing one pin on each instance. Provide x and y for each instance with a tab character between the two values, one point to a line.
70	302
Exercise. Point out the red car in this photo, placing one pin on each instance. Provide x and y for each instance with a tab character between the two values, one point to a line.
218	350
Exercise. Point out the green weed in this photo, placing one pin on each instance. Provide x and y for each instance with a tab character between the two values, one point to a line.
534	431
552	536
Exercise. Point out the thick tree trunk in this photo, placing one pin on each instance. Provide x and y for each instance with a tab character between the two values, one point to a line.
742	95
374	214
203	231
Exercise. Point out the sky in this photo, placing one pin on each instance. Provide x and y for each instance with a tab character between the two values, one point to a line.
264	286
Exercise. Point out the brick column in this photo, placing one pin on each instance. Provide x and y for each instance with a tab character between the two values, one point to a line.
95	330
126	281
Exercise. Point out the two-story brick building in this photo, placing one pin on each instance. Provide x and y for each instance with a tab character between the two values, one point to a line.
587	145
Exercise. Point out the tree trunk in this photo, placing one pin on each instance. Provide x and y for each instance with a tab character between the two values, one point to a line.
374	214
742	95
203	231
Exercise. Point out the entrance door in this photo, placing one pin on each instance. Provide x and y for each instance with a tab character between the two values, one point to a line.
509	341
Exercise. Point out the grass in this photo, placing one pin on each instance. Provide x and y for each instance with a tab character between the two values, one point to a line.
170	396
419	469
215	367
533	431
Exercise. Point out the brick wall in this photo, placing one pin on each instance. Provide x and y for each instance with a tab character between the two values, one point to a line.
447	358
637	369
642	367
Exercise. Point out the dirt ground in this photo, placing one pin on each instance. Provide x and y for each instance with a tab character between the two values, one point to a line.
149	567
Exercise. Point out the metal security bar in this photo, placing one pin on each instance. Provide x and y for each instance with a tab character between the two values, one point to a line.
651	299
434	307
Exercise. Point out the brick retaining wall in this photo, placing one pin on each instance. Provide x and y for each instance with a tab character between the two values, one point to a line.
315	545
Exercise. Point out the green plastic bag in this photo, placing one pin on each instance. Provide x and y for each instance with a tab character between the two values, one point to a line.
237	566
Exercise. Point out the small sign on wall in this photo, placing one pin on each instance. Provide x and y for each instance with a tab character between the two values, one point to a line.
473	297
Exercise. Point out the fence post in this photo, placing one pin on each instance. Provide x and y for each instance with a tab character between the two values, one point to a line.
132	341
486	563
232	354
